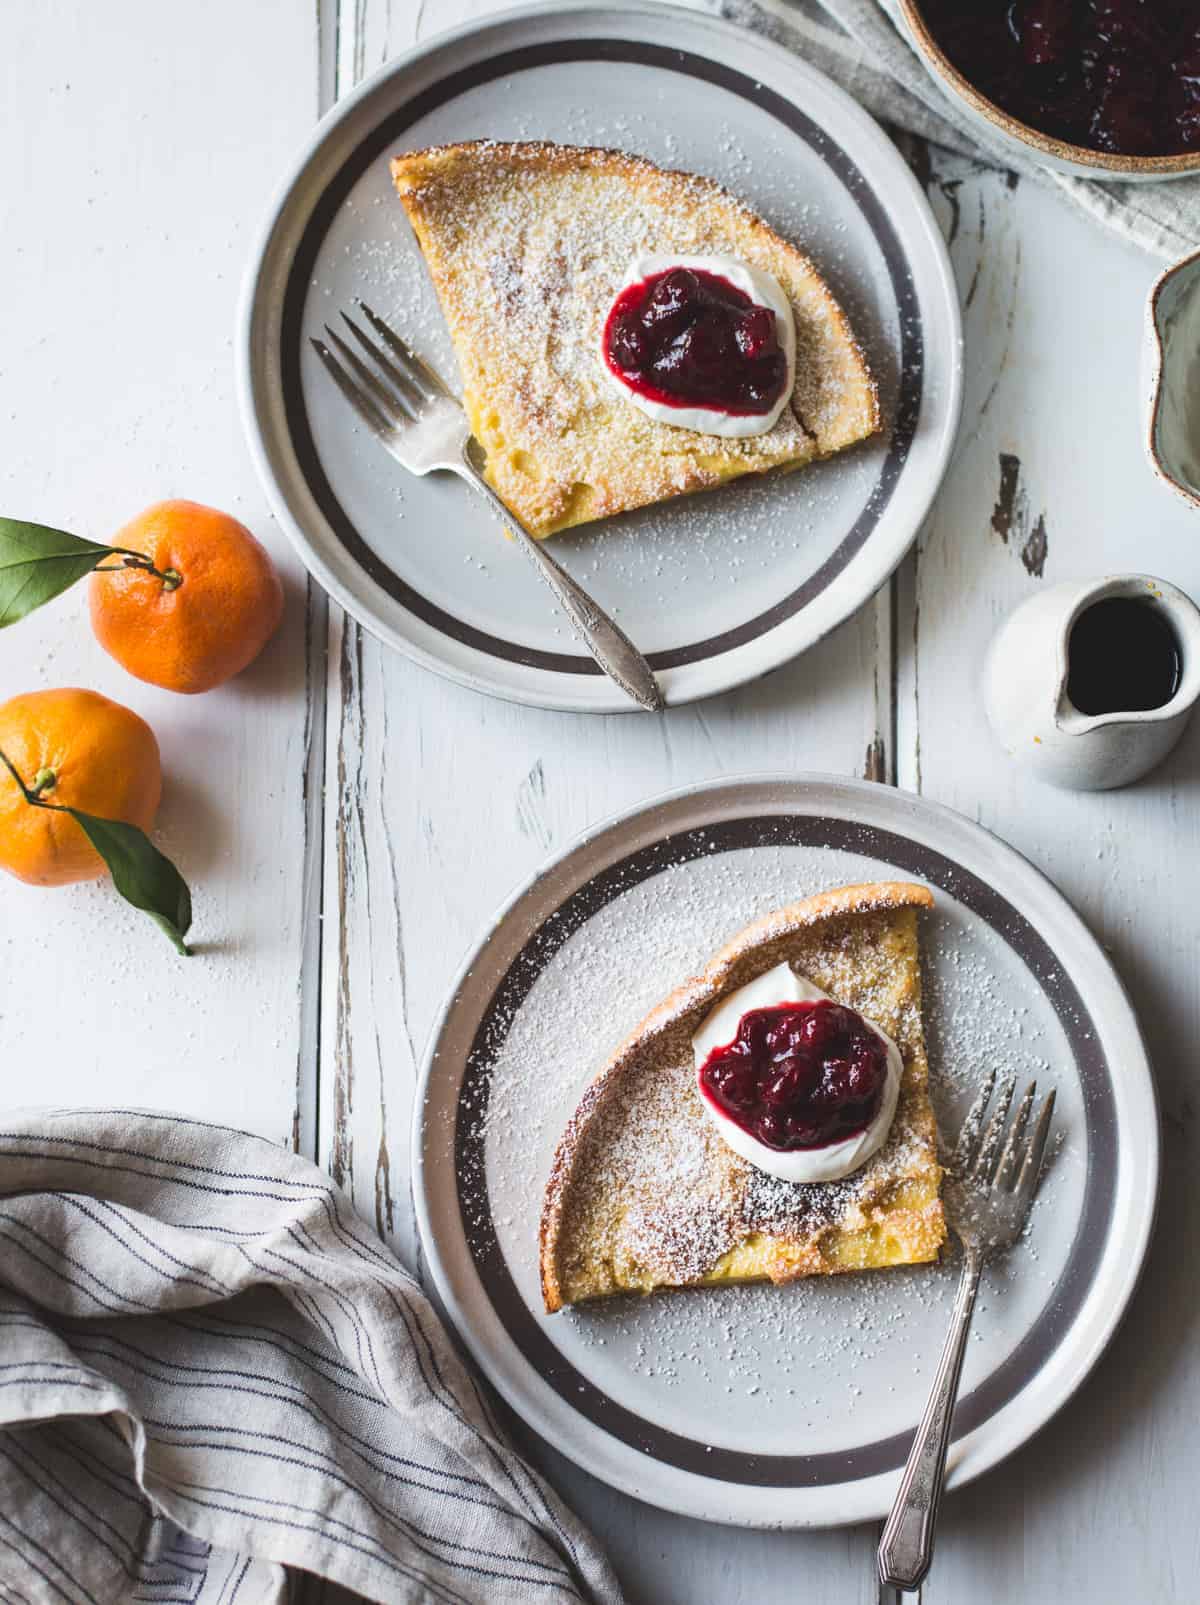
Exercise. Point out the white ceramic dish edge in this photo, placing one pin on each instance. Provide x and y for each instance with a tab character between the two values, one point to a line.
1159	357
1133	1217
871	566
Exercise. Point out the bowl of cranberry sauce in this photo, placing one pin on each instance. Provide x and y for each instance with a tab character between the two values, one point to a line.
1092	87
798	1075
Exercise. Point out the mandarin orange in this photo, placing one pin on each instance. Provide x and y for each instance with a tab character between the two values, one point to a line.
77	749
202	612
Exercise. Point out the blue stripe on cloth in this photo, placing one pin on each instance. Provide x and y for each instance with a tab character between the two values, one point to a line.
10	1592
210	1284
484	1571
277	1384
15	1448
389	1562
329	1469
358	1444
19	1540
241	1577
107	1345
322	1192
75	1263
33	1566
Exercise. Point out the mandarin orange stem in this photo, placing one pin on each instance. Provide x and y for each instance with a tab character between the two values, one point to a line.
32	797
171	577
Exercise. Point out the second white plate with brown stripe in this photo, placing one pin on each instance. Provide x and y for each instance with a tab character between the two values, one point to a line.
759	1405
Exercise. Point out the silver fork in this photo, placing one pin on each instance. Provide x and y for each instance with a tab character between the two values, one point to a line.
425	428
987	1194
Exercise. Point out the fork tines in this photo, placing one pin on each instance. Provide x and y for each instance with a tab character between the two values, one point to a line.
411	385
991	1158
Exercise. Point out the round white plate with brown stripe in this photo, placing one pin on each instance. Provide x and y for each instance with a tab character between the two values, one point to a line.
715	589
761	1405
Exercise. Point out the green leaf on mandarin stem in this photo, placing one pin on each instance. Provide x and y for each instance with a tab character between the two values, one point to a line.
38	563
142	875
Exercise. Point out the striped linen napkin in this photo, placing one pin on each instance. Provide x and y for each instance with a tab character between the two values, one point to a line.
214	1380
863	45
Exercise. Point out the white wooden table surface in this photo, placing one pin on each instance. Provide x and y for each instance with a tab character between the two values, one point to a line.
349	822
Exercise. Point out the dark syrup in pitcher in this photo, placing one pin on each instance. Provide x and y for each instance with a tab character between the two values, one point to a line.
1122	657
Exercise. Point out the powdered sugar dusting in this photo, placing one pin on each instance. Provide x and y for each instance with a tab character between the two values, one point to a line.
527	244
813	1343
683	570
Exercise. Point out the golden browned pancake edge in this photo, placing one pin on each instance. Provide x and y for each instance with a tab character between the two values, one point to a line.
527	244
643	1193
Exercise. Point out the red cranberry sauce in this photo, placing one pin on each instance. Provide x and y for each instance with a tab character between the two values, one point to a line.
1119	76
799	1075
686	338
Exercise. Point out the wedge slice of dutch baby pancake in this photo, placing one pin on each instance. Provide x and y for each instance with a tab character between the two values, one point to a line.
528	245
644	1192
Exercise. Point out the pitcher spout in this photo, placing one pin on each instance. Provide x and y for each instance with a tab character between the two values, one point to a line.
1091	684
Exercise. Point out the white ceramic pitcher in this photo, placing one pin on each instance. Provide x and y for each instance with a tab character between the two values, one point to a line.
1025	688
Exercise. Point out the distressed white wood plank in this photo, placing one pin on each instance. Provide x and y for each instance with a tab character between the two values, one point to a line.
445	801
140	145
1097	1507
669	1560
441	802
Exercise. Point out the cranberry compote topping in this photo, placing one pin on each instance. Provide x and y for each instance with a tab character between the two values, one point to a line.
1120	76
686	338
799	1075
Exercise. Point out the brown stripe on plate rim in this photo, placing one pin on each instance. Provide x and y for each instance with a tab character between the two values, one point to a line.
908	313
524	1328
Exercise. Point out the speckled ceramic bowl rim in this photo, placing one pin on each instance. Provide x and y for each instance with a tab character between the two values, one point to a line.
1101	165
1158	359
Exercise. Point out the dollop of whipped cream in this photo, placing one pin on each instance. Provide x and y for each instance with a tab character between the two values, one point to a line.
764	291
836	1159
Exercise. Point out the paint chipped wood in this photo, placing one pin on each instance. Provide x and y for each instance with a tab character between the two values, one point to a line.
120	390
1054	410
447	827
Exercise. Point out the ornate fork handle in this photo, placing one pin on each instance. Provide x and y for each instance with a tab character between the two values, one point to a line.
609	645
425	429
906	1547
